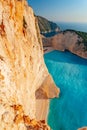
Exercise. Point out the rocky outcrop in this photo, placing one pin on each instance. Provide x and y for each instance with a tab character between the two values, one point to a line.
67	40
46	41
44	91
46	25
47	28
22	68
83	128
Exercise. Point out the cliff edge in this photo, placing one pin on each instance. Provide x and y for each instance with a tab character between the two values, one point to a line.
73	41
47	28
23	74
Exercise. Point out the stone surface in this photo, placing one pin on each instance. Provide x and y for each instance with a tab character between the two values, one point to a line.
22	68
83	128
47	26
68	40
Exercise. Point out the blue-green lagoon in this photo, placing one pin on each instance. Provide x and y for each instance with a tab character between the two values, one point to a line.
69	111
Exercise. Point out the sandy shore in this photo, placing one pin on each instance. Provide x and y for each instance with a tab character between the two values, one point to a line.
42	107
48	49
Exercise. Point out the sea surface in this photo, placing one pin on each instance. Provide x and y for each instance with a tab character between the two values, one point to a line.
74	26
69	111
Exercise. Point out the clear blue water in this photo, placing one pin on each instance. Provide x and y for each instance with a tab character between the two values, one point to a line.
74	26
69	111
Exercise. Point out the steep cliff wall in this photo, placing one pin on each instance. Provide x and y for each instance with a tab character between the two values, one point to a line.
68	40
47	28
22	70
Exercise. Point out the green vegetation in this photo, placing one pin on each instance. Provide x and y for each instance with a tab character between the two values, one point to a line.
45	25
83	35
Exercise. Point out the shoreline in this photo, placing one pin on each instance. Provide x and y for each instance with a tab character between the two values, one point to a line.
42	109
48	49
42	105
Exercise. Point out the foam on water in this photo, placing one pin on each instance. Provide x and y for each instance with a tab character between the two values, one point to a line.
69	111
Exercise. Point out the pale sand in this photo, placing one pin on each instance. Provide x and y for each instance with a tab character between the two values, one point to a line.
48	49
42	106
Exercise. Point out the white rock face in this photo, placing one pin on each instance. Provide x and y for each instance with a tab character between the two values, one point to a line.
68	40
22	68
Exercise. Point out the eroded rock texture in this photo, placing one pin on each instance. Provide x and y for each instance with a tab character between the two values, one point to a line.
68	40
22	68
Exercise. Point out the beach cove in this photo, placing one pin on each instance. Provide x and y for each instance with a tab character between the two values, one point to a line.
69	111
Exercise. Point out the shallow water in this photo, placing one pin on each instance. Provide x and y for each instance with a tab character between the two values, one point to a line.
69	111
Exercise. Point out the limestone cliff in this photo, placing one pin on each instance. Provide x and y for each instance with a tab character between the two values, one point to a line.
22	69
68	40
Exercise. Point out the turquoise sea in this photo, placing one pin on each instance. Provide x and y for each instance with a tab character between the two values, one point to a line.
69	111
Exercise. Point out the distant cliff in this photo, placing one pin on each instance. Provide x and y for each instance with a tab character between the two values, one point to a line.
73	41
47	28
24	78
